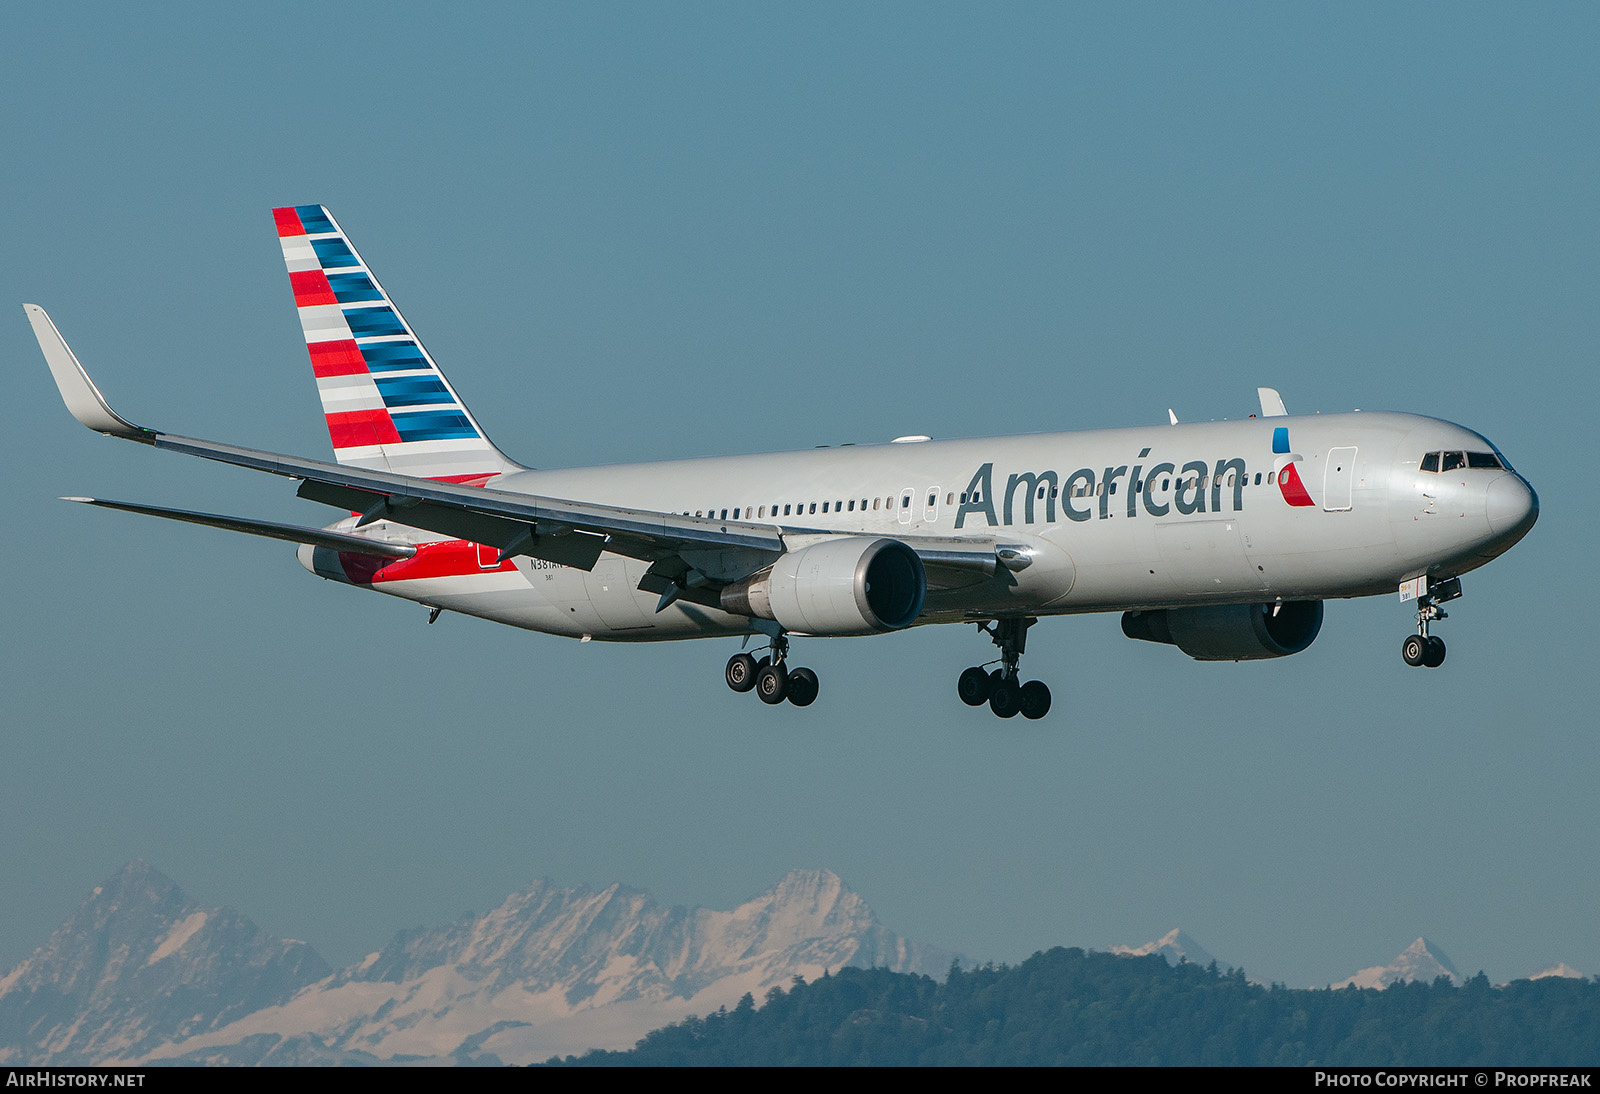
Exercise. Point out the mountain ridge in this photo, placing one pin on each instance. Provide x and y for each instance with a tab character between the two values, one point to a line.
551	968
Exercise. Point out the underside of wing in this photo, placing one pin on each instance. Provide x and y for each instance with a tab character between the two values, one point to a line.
693	558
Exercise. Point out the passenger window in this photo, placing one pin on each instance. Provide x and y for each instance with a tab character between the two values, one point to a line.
950	498
786	510
724	514
813	507
874	503
824	507
1258	478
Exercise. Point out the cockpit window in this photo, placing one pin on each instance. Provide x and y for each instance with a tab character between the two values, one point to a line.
1452	461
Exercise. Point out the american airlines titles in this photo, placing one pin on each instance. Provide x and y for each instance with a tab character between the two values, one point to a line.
1039	491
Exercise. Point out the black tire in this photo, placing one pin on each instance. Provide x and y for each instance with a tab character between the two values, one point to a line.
741	672
772	684
1414	650
973	687
1435	655
1006	699
803	687
1035	700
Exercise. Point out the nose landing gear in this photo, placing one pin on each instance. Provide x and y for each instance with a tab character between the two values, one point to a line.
1422	650
1006	695
770	679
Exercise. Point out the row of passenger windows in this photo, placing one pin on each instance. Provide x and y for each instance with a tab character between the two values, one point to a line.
890	504
1454	461
799	509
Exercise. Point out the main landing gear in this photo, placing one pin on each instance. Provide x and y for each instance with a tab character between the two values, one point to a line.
1000	687
770	678
1422	650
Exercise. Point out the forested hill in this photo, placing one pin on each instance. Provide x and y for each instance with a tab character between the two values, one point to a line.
1072	1007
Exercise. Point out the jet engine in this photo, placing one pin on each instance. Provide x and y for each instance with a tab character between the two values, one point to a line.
1230	632
851	585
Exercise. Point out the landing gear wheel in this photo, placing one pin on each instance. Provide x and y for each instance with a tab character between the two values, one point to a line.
741	672
1414	650
802	687
1035	699
1434	657
1006	699
772	684
973	687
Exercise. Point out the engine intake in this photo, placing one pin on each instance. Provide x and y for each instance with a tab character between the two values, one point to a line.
1230	632
851	585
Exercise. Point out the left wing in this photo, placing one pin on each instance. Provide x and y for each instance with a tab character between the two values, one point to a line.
696	555
568	532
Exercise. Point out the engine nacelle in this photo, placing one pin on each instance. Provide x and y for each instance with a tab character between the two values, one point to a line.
1230	632
842	586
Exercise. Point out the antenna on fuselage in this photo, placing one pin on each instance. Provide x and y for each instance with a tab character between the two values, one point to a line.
1171	417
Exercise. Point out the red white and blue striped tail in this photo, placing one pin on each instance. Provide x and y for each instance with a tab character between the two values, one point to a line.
388	406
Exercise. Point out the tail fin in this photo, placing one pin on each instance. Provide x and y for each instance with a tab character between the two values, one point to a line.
389	408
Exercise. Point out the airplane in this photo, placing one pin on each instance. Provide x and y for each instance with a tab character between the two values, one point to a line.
1221	538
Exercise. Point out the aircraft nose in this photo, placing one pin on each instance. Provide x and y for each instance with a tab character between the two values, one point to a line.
1512	505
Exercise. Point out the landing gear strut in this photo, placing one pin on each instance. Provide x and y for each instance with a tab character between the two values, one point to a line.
1000	688
770	678
1422	650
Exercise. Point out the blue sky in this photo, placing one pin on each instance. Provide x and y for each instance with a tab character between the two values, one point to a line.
641	231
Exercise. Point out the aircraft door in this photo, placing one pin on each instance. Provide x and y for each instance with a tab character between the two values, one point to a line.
930	512
1338	480
904	514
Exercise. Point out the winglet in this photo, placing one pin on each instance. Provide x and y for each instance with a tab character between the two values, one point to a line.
1271	403
77	390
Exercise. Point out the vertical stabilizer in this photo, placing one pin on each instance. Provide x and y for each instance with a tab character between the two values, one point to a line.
388	406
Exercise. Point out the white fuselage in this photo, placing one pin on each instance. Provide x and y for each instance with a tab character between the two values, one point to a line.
1109	520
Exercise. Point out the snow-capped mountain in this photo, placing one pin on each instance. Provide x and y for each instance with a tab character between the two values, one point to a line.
552	970
1421	960
1175	946
1562	969
139	965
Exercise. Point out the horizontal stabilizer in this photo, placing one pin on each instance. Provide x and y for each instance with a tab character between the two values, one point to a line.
317	537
